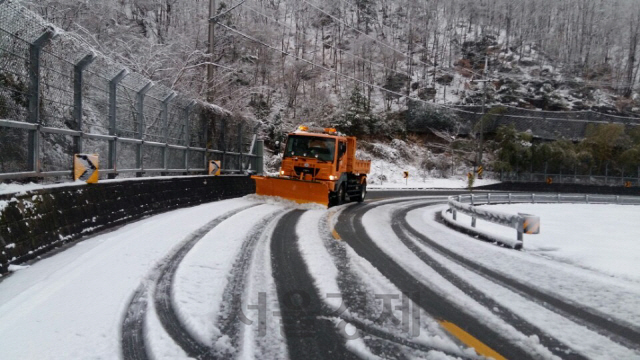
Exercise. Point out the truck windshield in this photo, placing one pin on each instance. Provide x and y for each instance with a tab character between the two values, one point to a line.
310	146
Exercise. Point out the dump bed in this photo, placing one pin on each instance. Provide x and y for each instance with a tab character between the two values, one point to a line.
361	166
354	165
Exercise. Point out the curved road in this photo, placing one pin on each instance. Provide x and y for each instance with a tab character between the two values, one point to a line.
382	279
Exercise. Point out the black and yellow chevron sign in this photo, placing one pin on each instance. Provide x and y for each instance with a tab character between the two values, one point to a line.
627	184
480	171
214	167
549	180
405	174
85	168
531	225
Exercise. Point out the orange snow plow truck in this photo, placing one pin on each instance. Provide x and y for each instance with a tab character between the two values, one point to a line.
318	166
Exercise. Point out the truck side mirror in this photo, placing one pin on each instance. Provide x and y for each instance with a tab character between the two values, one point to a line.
276	148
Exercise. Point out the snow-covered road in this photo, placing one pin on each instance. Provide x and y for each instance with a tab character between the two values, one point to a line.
248	278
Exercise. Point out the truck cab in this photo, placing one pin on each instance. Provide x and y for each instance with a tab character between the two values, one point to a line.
322	156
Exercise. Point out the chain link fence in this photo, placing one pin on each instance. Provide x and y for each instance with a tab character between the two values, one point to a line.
59	97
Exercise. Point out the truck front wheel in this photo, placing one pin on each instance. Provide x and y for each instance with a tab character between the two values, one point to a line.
338	197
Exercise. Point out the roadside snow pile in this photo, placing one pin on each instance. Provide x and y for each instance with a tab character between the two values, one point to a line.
603	238
276	200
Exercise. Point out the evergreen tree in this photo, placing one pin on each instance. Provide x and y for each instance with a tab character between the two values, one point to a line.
357	120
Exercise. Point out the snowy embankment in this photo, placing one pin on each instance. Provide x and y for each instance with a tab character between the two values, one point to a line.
588	267
426	169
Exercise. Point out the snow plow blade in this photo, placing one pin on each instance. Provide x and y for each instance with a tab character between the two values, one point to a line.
299	191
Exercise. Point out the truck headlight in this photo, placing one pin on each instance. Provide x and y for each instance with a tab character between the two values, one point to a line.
331	177
281	172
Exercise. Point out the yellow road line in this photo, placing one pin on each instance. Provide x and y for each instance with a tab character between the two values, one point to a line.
470	341
333	230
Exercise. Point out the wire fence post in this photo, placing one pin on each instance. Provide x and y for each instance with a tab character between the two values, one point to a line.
113	124
223	143
141	127
240	167
207	154
33	160
260	156
165	129
187	135
78	69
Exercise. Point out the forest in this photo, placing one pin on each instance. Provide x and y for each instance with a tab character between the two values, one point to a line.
369	67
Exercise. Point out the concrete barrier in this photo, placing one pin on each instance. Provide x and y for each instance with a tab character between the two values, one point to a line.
35	222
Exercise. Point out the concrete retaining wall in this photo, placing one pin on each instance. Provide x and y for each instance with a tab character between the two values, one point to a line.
38	221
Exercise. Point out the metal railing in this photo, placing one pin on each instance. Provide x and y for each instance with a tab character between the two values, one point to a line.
59	97
466	204
630	180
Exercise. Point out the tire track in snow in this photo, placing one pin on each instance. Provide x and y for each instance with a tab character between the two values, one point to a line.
133	325
351	229
399	226
309	333
590	318
231	308
359	299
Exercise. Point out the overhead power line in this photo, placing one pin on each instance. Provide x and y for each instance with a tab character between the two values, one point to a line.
249	37
383	66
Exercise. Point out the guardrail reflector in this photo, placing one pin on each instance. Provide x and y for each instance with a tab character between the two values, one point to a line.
85	168
214	167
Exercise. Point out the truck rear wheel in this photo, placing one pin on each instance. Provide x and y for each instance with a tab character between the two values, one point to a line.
363	193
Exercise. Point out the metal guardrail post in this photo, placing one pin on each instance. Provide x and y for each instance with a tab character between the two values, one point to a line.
187	133
78	69
520	228
141	126
488	198
113	124
509	198
533	198
33	157
586	198
165	129
473	221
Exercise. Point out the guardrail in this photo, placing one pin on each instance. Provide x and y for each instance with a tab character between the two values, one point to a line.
523	223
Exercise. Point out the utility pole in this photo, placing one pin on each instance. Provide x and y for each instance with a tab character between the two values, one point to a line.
484	101
210	67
